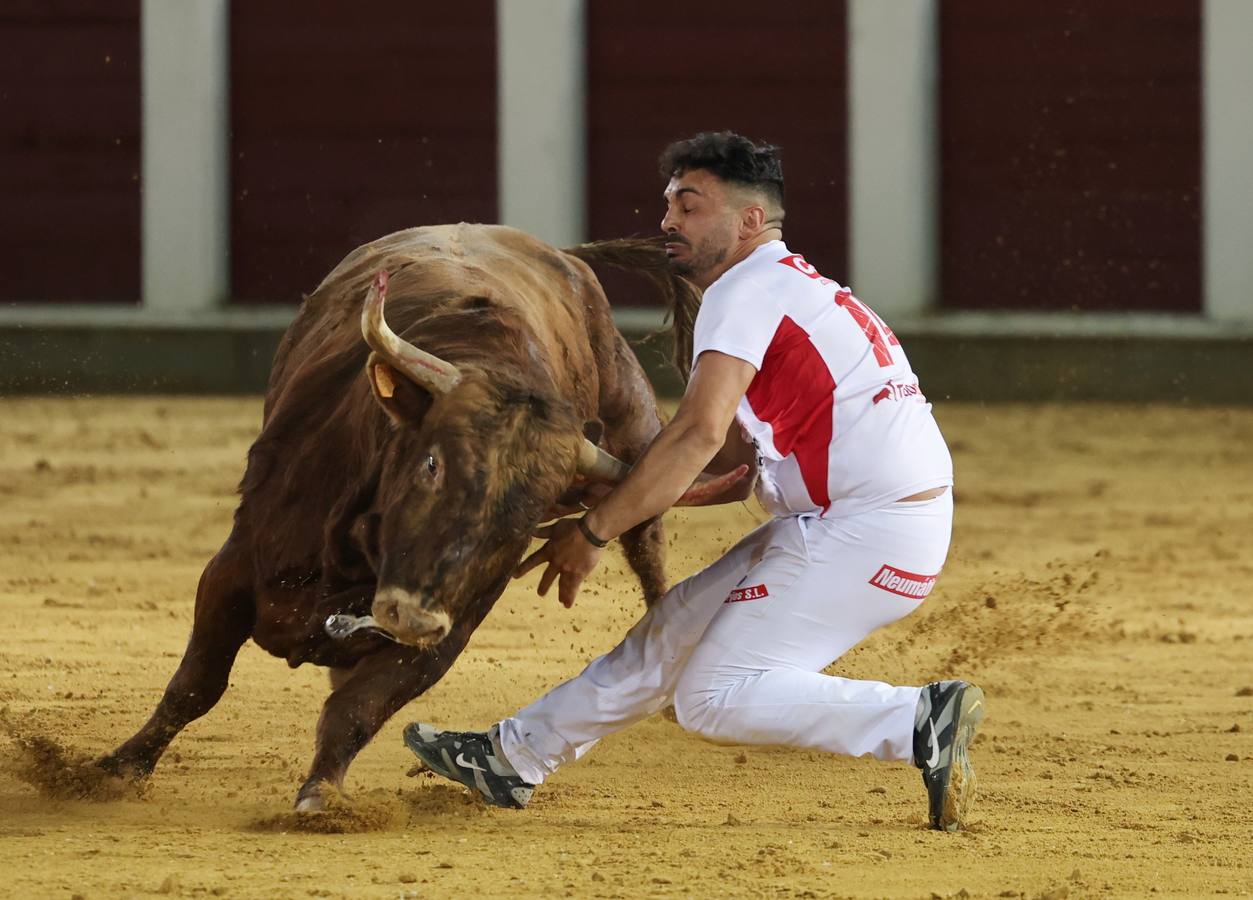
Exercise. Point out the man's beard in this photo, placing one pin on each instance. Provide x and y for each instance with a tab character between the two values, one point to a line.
700	260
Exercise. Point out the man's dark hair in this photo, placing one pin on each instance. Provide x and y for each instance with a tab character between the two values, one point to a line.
730	156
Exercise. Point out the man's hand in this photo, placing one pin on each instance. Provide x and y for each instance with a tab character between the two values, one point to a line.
568	554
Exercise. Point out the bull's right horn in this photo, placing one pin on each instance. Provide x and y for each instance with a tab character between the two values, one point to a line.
427	370
595	463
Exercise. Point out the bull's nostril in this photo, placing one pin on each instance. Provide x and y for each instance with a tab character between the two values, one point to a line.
409	617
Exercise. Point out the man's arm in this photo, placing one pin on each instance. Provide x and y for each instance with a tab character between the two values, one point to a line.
735	452
679	453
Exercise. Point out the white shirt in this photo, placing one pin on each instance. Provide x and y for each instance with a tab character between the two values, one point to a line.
839	421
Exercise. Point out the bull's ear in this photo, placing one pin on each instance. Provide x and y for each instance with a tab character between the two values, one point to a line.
593	429
404	401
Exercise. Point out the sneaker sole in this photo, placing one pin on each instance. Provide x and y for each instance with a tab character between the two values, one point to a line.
419	749
959	795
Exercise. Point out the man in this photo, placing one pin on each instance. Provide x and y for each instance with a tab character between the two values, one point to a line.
851	465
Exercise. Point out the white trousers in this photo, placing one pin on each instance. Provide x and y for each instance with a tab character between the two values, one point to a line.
739	647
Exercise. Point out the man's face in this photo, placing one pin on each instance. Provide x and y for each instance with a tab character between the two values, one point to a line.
701	223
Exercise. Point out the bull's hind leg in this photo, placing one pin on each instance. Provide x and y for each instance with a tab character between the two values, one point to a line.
223	621
645	549
359	705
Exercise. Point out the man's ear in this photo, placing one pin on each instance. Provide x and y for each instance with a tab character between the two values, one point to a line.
404	402
752	220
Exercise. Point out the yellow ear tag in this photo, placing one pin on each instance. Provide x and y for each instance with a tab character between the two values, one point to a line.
383	381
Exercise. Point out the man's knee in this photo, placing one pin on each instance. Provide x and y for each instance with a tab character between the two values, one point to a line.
699	701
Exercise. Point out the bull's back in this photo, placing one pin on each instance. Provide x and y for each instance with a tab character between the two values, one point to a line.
439	267
426	263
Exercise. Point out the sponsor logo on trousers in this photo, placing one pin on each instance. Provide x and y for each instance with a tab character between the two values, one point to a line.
907	584
756	592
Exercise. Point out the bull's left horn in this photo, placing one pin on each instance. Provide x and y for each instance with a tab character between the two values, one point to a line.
596	463
426	369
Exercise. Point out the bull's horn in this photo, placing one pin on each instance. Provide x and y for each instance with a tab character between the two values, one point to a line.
429	371
596	463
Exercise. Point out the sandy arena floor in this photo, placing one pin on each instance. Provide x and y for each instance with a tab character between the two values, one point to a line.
1098	589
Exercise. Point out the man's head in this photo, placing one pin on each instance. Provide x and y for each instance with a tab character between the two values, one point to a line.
724	198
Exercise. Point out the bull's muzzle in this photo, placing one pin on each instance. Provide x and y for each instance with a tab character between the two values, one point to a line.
407	619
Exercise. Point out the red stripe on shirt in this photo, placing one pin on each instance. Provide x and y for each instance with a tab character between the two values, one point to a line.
794	391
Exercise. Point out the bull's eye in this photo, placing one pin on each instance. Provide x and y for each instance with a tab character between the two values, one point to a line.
431	465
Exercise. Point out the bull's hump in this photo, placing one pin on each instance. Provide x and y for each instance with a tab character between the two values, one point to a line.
509	266
462	240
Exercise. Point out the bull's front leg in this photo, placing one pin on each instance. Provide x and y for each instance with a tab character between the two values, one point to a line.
364	698
645	550
223	621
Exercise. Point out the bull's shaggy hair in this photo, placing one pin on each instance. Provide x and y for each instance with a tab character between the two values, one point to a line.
648	257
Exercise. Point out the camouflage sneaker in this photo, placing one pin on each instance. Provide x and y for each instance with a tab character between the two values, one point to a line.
944	725
470	758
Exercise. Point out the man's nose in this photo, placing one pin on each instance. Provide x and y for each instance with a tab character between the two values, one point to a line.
667	226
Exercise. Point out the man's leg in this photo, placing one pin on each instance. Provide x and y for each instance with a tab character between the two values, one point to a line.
636	678
632	681
756	675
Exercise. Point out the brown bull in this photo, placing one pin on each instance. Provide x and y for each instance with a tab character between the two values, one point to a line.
407	486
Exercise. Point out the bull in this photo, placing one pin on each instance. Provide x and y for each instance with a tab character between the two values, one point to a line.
402	476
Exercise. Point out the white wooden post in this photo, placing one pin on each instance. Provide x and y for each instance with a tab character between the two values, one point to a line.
542	153
186	123
893	154
1227	171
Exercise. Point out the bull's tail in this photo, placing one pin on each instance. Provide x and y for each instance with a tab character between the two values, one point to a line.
647	256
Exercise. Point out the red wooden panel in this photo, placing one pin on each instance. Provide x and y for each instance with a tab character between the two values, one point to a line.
69	151
1071	148
659	72
350	121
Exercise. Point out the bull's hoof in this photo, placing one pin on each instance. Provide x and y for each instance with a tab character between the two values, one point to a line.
128	769
317	795
312	804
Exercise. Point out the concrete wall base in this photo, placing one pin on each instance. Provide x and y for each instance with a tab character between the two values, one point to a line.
157	360
974	359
